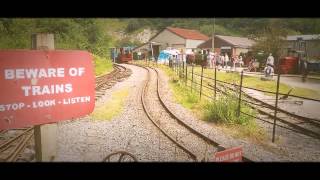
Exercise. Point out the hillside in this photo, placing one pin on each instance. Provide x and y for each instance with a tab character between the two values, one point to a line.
99	34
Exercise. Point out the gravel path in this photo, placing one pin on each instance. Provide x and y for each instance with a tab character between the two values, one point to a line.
131	131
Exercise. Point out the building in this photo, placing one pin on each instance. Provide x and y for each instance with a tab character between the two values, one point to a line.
228	44
176	38
310	44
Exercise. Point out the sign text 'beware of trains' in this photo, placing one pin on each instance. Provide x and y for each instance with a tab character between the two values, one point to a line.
39	87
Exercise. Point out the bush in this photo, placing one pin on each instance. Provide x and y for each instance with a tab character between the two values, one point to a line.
224	110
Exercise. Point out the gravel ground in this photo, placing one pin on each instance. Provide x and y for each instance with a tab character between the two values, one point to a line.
288	147
87	140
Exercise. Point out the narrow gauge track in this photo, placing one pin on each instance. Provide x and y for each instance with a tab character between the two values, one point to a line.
192	142
12	147
108	80
295	123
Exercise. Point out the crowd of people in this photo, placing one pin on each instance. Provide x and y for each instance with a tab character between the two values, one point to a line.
220	60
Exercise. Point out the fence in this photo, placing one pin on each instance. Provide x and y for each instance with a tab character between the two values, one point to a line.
187	73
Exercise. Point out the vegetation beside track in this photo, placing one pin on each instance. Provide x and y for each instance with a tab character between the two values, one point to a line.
112	107
102	65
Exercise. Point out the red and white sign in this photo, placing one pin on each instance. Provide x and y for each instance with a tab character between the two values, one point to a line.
39	87
229	155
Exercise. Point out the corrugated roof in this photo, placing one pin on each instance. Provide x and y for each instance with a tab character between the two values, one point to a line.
188	33
237	41
304	37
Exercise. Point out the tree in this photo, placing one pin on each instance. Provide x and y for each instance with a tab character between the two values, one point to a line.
271	39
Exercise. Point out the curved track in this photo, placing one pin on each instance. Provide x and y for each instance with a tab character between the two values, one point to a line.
195	144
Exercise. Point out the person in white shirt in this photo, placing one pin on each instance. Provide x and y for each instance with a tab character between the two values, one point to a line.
139	55
270	60
240	61
222	61
268	70
226	60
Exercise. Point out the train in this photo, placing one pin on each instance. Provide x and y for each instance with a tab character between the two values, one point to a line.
122	54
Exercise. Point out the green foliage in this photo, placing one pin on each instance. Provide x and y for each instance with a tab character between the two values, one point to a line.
75	33
224	110
271	39
102	65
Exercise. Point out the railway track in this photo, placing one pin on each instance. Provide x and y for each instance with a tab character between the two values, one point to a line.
288	120
108	80
195	144
13	142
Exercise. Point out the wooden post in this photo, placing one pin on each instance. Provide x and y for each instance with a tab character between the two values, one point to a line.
45	136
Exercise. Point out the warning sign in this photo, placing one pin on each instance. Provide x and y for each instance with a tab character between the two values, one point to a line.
229	155
39	87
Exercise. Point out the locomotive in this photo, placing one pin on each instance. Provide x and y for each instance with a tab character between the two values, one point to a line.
122	54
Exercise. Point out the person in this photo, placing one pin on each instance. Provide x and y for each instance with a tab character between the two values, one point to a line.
139	55
270	60
304	71
235	61
240	61
222	61
209	63
251	65
226	60
213	63
217	59
268	70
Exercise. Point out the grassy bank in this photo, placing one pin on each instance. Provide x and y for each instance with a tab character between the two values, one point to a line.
102	65
256	82
111	108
